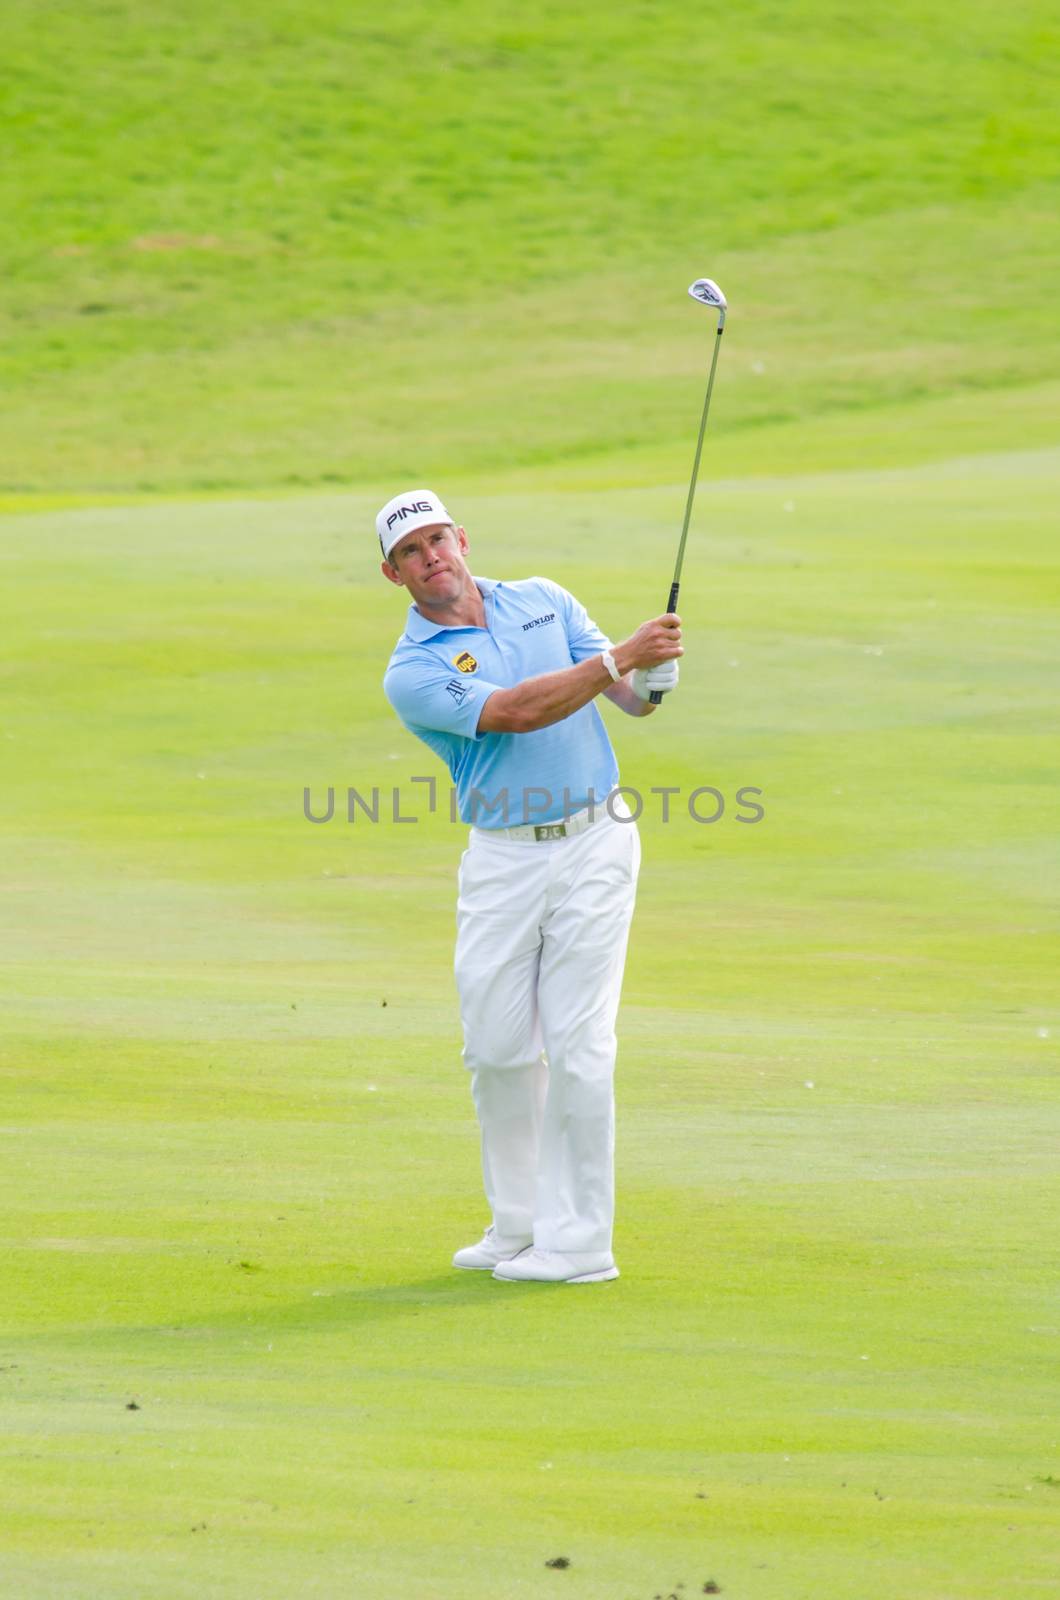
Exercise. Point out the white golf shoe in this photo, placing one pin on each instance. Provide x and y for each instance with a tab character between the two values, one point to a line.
490	1251
548	1266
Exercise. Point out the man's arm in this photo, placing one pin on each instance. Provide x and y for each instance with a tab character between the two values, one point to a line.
621	694
539	702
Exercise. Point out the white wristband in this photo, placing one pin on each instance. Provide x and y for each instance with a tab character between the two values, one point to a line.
609	662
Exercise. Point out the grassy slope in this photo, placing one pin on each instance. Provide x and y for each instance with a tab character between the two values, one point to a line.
834	1321
300	245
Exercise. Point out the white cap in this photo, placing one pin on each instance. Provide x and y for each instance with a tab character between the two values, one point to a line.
416	508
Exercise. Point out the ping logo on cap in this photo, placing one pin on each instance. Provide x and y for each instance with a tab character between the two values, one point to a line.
465	662
401	512
407	511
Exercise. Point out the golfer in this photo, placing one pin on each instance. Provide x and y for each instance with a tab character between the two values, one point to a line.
499	679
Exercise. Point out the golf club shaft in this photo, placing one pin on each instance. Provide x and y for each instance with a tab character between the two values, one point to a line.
675	587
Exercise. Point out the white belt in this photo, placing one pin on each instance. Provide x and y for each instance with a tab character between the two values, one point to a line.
542	832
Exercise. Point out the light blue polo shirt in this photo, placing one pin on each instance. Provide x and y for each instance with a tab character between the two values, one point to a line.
439	679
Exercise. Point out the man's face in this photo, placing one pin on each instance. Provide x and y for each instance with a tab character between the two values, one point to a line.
430	564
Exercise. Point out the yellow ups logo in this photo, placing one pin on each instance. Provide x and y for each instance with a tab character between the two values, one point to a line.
465	662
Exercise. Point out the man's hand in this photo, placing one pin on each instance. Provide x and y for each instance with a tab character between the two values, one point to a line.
653	643
661	680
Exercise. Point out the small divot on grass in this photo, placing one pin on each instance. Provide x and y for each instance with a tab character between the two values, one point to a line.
558	1561
131	1405
176	241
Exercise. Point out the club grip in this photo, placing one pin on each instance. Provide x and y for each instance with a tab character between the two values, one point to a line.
671	606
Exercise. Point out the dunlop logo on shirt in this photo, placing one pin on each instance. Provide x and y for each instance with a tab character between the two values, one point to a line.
465	662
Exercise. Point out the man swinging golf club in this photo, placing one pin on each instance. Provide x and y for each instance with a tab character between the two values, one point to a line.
499	678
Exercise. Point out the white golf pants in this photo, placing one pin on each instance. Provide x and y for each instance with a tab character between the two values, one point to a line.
540	949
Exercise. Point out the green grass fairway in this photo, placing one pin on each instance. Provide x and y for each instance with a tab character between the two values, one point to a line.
238	1141
250	252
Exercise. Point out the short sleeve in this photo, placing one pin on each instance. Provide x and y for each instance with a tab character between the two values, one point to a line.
428	695
583	636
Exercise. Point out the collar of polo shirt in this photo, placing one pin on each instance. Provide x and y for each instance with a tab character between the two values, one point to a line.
420	627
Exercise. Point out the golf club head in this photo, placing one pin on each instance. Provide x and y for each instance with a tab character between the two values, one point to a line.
706	291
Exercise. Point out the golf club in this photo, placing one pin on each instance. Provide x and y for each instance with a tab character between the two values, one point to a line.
706	291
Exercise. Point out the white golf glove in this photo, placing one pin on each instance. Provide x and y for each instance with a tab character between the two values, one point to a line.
662	678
